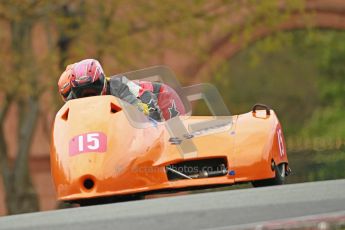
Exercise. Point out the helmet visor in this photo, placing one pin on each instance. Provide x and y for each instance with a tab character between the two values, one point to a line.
89	89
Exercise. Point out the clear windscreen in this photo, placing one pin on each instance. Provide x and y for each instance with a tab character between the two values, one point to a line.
174	102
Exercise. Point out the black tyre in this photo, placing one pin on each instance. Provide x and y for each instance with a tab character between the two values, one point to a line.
279	179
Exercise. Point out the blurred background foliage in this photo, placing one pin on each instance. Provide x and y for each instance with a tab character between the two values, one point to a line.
299	73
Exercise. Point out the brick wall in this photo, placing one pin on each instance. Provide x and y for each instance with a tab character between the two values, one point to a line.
40	170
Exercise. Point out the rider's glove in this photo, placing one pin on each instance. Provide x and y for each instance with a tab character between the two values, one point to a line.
143	108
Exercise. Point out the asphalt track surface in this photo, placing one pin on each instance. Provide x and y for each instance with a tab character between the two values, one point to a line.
214	210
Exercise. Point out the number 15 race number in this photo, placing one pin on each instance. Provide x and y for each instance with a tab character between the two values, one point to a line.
88	142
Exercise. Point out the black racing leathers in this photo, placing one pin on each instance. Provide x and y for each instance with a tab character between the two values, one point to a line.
151	100
118	87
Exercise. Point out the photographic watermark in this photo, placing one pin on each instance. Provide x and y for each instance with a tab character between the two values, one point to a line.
185	169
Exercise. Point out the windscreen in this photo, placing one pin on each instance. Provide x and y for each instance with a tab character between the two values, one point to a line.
174	101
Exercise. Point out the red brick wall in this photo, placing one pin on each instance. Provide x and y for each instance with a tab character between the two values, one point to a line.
42	181
2	199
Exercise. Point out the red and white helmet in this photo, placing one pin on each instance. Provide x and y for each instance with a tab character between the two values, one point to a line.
88	79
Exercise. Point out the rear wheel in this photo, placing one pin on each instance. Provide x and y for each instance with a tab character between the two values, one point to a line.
279	179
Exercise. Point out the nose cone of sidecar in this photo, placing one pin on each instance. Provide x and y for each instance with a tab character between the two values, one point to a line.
96	151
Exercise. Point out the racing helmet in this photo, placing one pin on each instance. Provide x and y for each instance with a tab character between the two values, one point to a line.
64	83
88	79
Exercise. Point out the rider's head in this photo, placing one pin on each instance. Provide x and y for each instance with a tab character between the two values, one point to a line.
88	79
64	83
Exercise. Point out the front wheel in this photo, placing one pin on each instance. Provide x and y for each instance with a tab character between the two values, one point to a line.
279	179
